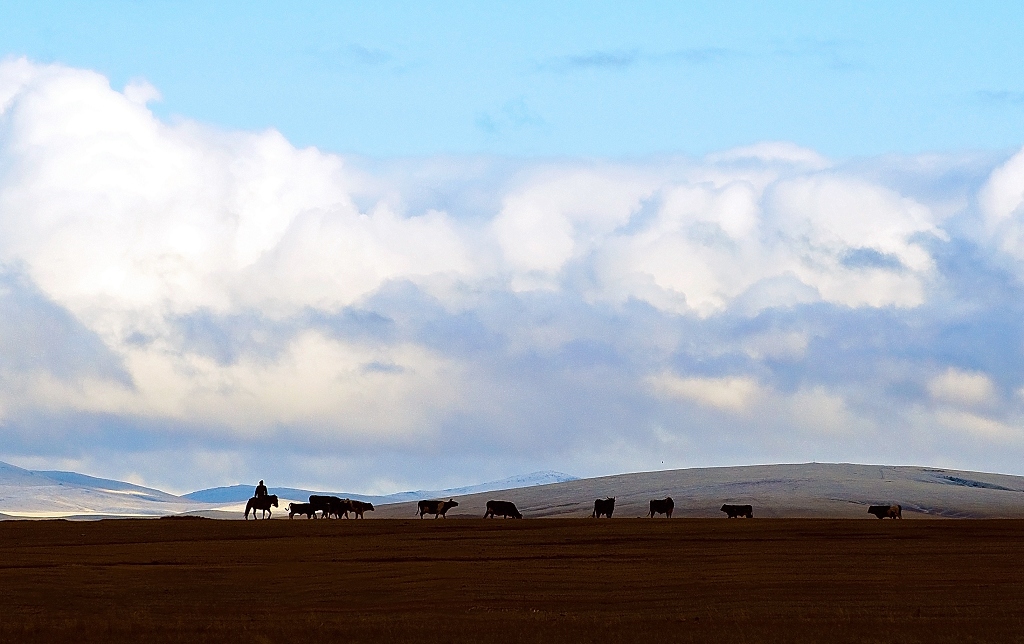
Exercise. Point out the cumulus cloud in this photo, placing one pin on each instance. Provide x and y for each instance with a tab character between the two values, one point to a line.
962	388
732	394
172	289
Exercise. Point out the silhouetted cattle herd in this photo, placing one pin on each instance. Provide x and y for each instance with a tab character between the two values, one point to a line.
329	506
326	507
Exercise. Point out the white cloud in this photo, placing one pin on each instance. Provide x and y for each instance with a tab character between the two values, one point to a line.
965	388
729	394
979	427
171	279
773	152
141	91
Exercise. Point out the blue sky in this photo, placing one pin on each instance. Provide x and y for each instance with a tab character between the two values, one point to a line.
550	79
387	247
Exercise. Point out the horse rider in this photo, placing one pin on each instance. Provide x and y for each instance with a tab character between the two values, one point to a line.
261	490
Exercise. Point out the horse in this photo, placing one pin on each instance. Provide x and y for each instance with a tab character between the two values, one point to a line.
261	503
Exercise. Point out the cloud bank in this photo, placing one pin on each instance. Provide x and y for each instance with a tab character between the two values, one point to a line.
183	306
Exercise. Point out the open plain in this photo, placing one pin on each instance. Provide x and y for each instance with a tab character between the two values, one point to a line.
547	580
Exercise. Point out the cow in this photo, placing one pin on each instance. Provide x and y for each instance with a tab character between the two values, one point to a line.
662	506
330	505
504	508
358	507
301	508
886	511
435	507
603	507
733	511
339	507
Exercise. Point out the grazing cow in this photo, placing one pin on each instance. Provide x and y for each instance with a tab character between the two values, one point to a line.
358	507
733	511
603	507
261	503
886	511
504	508
435	507
301	508
662	506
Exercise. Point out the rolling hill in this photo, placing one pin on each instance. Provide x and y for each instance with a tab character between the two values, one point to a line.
835	490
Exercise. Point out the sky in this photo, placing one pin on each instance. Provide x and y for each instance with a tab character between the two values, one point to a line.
400	246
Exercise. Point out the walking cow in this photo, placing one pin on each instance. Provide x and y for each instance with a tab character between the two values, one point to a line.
358	507
603	507
662	506
436	507
301	508
733	511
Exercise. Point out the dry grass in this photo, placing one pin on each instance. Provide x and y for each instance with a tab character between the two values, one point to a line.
553	580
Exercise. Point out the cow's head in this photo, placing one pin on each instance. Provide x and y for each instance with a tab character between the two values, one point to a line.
451	503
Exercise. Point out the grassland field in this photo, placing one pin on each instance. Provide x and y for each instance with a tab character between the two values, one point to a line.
543	580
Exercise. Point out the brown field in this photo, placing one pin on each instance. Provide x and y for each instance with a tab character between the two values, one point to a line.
550	580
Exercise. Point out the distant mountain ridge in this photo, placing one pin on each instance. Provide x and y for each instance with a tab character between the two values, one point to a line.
241	493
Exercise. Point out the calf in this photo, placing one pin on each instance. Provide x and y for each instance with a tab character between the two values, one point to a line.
662	506
301	508
603	507
886	511
504	508
358	507
436	507
733	511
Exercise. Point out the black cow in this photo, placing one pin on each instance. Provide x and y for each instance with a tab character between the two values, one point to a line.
330	505
603	507
733	511
301	508
886	511
504	508
662	506
436	507
358	507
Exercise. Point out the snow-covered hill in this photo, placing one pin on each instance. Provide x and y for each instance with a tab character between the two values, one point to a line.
807	490
25	493
835	490
41	494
